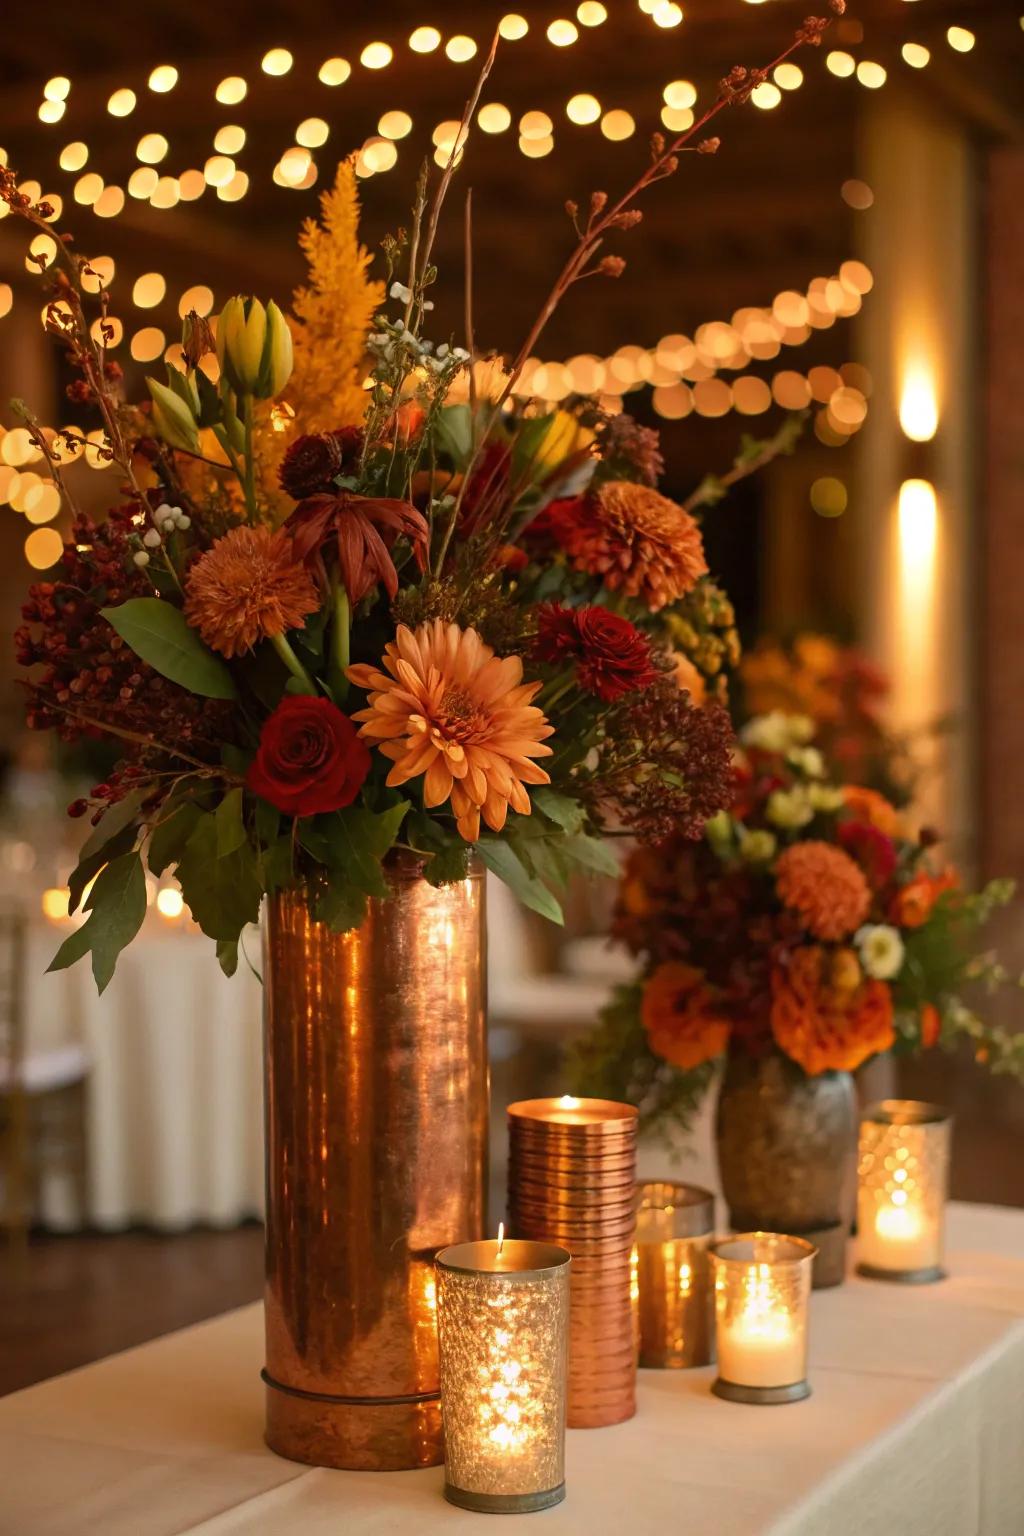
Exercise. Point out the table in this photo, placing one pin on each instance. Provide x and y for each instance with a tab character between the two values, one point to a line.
916	1427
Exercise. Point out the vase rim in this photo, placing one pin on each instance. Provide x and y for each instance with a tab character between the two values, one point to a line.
906	1112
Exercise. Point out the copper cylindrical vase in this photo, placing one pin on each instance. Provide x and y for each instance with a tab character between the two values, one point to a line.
376	1143
571	1181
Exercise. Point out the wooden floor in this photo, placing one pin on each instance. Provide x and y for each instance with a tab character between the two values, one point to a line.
76	1299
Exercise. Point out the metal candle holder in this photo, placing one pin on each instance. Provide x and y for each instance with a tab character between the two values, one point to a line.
903	1177
762	1290
674	1297
503	1327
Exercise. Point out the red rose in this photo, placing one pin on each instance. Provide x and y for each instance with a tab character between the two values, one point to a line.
310	758
612	656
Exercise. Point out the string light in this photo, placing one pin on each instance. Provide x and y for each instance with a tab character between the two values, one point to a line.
74	156
667	14
841	64
199	298
334	71
376	56
680	94
513	27
235	189
677	119
231	91
166	193
312	133
163	79
871	74
395	125
961	38
152	148
88	188
43	548
57	89
278	61
583	109
766	95
536	148
562	33
191	185
591	14
148	344
460	48
121	103
51	111
789	76
535	125
617	124
494	117
425	40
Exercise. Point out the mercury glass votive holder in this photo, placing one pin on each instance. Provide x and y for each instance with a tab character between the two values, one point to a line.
503	1329
762	1291
674	1298
903	1176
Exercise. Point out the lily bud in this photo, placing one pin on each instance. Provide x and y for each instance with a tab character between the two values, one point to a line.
172	419
564	438
254	347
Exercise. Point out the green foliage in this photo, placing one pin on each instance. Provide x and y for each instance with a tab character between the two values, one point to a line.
160	634
117	907
223	892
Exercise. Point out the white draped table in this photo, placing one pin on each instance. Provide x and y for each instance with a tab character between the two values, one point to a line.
915	1428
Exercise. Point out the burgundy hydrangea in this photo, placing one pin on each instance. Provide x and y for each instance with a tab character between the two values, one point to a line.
313	462
612	656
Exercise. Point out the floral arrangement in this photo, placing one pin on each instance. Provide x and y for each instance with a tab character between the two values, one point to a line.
806	921
360	598
844	693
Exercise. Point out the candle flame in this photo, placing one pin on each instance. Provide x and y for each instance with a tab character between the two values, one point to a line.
501	1236
568	1102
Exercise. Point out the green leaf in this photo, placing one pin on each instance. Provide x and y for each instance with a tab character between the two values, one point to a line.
267	819
354	842
592	854
227	956
453	434
230	826
223	894
561	809
120	815
503	860
340	905
167	843
87	869
545	856
277	865
160	634
235	759
117	909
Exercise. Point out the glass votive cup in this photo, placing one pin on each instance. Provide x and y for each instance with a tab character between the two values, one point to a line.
762	1291
503	1332
674	1298
903	1176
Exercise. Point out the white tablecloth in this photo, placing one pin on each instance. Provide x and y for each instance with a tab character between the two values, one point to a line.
174	1090
915	1428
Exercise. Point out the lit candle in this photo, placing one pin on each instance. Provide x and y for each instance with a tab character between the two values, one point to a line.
503	1328
903	1173
673	1282
762	1287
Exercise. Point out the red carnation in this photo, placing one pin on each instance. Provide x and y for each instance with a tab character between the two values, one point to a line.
310	758
612	656
871	849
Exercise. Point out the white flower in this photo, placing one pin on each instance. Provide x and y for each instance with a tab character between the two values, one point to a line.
825	797
183	521
151	538
808	759
400	291
141	557
881	950
758	847
777	732
790	808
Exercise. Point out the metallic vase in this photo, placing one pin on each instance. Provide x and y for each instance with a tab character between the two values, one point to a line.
787	1154
376	1146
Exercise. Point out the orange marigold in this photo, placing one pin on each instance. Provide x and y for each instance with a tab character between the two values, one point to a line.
824	887
682	1019
931	1025
868	805
248	587
824	1026
912	904
638	542
449	710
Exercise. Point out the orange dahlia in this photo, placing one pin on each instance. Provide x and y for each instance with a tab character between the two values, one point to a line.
824	887
869	806
248	587
449	710
683	1021
822	1022
912	904
637	541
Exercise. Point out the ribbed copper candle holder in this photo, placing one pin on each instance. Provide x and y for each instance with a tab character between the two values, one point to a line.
572	1181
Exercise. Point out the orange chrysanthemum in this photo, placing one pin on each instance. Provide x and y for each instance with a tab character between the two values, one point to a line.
871	807
912	904
449	710
824	887
248	587
823	1023
638	542
684	1024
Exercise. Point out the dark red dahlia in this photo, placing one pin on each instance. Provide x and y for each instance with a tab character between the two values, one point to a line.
313	462
612	656
871	849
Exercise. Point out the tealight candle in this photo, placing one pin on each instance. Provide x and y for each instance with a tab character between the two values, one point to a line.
503	1329
674	1223
762	1287
903	1174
